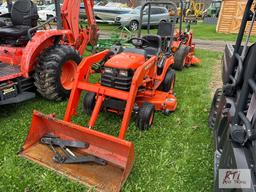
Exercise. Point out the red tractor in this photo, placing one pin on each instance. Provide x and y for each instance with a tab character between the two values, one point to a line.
180	44
34	55
183	46
136	81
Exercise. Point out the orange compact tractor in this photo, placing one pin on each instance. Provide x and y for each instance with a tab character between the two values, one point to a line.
32	54
183	46
137	80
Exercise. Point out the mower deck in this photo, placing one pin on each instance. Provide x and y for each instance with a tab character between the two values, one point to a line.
9	71
161	100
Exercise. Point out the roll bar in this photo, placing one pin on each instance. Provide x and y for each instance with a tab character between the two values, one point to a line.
58	14
149	4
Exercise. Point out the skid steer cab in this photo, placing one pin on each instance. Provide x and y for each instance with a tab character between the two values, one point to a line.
134	81
39	56
232	115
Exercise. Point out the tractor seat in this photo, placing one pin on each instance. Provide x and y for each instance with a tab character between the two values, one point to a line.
154	48
166	31
14	32
23	16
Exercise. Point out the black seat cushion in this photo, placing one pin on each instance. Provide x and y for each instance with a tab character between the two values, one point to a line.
24	12
14	32
155	44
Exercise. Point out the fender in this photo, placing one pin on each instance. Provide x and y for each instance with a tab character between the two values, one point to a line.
176	44
40	41
167	64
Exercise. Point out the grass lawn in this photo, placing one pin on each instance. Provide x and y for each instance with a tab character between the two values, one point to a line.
208	32
175	155
200	31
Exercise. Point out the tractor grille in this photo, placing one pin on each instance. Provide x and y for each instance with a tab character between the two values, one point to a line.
116	81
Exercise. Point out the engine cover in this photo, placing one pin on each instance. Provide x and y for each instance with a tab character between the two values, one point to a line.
126	61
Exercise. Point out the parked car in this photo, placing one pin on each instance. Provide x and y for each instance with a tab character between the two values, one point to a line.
105	11
131	19
3	8
110	11
41	7
47	13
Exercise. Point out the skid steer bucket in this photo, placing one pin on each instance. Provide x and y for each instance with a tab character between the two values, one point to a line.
119	154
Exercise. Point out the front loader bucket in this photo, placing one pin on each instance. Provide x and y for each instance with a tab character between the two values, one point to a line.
118	153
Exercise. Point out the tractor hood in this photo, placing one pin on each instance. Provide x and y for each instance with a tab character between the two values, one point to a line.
126	61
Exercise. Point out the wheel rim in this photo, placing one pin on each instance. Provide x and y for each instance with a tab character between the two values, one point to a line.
184	62
68	72
134	26
172	84
151	119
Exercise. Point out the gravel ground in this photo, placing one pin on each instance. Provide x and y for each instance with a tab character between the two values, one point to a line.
210	45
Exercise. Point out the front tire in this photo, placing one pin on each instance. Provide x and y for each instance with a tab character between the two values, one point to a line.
48	17
89	102
169	81
55	72
146	116
214	108
180	57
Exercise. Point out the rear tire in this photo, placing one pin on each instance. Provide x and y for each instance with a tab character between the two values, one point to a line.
214	108
145	117
169	81
180	57
134	25
89	101
48	17
56	71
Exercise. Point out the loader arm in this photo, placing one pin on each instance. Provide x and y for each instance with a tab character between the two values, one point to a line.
70	17
143	73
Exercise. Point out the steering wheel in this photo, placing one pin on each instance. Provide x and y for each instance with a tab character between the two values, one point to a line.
139	42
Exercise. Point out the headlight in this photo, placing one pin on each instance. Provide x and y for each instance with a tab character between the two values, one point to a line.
108	70
123	73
